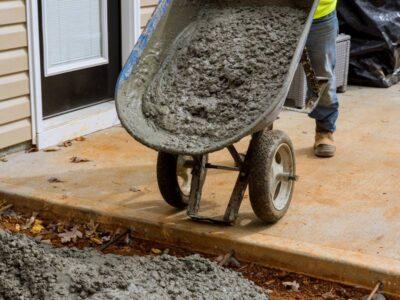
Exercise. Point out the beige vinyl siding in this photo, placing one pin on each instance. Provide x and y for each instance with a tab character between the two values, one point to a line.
147	8
15	123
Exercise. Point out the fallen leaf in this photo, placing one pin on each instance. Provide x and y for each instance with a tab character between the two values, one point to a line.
329	296
3	159
294	285
135	189
52	149
31	220
54	180
33	149
37	227
156	251
80	139
65	144
106	238
92	228
219	258
77	159
270	282
70	235
127	240
17	227
96	240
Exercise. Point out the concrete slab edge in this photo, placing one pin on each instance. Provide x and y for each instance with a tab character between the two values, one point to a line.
338	265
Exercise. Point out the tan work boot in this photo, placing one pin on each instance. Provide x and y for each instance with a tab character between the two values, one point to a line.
324	144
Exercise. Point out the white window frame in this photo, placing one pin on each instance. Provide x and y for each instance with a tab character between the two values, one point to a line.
78	65
49	132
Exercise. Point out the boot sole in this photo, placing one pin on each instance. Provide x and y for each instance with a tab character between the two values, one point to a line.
325	151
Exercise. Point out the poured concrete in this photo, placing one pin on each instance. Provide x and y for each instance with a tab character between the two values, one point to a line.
343	223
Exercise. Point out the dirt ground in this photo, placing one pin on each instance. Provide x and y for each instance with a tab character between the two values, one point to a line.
279	284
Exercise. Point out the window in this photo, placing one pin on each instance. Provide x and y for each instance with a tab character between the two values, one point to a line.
74	35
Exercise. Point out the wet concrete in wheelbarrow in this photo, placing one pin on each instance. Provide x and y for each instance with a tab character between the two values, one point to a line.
223	72
30	269
344	211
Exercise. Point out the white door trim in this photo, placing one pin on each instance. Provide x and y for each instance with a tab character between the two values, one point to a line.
52	131
130	29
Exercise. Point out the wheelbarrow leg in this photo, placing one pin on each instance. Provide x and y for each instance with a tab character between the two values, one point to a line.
198	178
242	181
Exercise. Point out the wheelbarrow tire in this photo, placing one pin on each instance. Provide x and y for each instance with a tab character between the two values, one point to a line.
168	180
269	203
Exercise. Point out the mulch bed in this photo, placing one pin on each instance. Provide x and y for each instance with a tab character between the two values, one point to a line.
280	284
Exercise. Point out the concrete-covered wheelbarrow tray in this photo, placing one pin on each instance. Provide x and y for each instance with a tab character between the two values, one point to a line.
269	165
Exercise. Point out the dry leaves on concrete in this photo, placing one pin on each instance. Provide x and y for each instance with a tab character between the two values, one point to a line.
3	159
65	144
76	159
136	189
52	149
31	150
54	180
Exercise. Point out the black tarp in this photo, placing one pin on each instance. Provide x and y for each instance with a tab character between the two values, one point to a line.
374	26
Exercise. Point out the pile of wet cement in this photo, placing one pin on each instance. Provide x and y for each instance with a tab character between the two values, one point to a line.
32	270
223	72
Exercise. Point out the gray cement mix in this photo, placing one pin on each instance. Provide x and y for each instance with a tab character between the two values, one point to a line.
223	72
30	269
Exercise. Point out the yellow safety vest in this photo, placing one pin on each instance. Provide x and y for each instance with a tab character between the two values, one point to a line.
324	8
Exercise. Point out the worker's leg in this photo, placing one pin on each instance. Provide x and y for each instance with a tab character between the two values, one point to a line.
321	45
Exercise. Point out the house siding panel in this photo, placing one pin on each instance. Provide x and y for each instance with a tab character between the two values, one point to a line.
13	61
15	133
15	123
12	11
16	108
13	36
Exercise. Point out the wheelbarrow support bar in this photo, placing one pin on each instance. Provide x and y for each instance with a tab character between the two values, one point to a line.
198	178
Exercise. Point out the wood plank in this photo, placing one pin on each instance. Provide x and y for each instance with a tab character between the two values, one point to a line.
13	36
145	15
144	3
12	12
15	133
14	85
14	109
13	61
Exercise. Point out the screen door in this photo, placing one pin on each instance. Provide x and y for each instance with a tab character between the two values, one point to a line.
80	53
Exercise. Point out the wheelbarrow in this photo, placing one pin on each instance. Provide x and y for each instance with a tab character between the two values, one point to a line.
268	167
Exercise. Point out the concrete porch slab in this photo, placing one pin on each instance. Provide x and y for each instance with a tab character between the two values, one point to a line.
343	223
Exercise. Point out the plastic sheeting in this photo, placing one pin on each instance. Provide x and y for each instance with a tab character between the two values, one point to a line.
374	26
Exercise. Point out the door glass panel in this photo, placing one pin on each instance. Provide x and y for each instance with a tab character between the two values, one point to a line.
74	35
